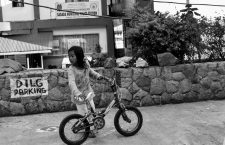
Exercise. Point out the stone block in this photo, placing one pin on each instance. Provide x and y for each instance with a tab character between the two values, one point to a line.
106	98
126	95
177	98
140	94
125	73
178	76
166	73
202	70
52	106
62	82
4	108
220	95
150	72
213	75
205	94
172	86
2	83
32	107
143	82
137	72
5	93
216	87
166	59
52	81
133	88
17	109
126	82
206	82
185	86
147	101
55	95
157	86
165	98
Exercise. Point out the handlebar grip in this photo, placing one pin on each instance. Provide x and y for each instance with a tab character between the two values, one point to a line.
106	78
111	81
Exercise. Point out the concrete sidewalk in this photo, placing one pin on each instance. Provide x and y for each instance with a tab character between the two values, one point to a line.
200	123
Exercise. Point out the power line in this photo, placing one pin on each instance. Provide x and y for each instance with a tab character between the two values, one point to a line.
190	3
79	13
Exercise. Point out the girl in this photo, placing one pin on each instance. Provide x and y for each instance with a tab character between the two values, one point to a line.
79	82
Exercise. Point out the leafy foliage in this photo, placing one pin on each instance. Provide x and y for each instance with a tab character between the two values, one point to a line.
214	38
185	36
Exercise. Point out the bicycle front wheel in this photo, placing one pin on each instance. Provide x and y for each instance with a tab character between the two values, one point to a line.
129	121
70	133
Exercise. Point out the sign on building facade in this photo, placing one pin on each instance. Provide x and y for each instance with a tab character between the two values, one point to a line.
27	87
91	8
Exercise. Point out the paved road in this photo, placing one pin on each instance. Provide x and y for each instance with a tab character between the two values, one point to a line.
201	123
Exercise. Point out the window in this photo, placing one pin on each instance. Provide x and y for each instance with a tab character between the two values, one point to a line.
18	3
34	61
61	44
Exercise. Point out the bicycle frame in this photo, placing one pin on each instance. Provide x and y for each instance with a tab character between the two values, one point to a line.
114	102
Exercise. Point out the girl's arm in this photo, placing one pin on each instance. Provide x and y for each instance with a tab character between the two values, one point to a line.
73	87
92	73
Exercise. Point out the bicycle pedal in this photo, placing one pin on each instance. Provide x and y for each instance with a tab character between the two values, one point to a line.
91	123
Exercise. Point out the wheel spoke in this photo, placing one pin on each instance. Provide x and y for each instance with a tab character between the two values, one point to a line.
129	122
125	122
71	134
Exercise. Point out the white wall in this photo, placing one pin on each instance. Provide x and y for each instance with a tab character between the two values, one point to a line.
47	13
26	13
10	13
51	14
72	31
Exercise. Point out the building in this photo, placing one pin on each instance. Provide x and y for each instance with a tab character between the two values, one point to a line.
119	9
58	29
29	55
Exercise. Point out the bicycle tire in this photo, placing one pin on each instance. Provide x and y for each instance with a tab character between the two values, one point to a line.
62	127
137	127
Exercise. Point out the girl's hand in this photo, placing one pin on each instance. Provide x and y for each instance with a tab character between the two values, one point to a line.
81	97
100	78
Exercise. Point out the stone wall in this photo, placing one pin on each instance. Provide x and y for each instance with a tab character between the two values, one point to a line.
139	86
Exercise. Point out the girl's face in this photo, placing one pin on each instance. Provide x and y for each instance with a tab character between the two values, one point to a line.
72	57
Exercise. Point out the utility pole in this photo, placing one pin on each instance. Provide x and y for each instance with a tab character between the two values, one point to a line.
187	2
188	5
190	10
151	4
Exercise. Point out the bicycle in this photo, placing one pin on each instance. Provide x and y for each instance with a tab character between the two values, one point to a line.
81	125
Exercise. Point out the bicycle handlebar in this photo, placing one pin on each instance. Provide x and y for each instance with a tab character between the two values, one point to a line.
111	81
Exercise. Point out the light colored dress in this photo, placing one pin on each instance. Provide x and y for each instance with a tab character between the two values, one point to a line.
79	81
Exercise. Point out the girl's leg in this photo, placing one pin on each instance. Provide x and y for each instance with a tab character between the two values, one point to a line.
92	104
90	97
82	109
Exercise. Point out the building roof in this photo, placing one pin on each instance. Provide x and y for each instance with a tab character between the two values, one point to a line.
15	47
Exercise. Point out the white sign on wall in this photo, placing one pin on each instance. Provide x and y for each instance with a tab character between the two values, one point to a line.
73	42
26	87
91	7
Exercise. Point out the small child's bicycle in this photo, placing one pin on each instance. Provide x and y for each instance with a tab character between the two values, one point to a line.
79	128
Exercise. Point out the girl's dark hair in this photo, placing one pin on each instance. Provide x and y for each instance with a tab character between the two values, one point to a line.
79	53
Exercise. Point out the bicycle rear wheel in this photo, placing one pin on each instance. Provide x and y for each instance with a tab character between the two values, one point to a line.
129	121
70	134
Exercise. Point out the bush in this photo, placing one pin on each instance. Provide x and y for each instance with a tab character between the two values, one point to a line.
182	34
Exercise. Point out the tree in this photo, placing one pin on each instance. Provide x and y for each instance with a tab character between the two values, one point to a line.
151	34
214	38
189	38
